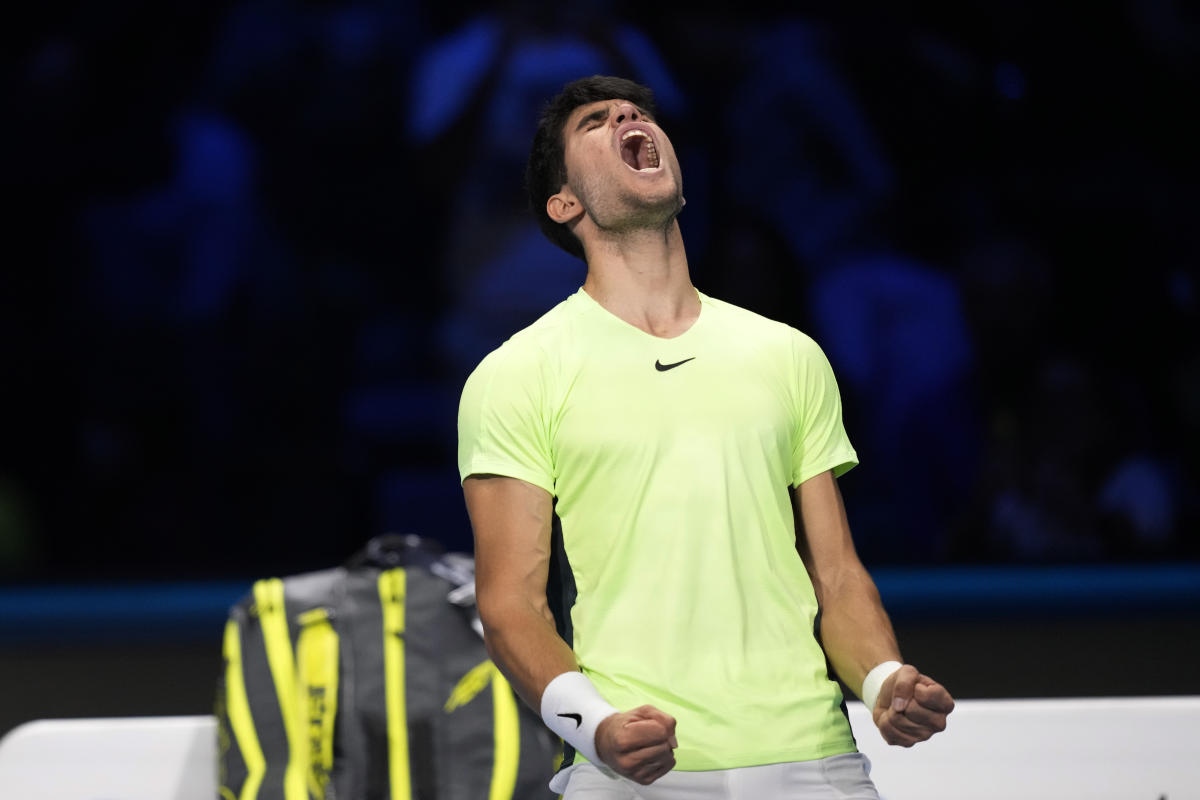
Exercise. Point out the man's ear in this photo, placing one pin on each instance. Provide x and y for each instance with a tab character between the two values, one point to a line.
563	206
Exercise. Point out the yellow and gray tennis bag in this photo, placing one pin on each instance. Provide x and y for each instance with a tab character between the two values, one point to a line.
371	682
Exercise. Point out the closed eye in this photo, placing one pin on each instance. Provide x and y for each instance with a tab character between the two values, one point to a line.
593	120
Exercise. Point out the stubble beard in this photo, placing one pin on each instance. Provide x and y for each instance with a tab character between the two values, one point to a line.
628	212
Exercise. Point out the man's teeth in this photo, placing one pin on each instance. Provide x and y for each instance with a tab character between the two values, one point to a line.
651	152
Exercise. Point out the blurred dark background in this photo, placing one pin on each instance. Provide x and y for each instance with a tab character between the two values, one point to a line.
254	249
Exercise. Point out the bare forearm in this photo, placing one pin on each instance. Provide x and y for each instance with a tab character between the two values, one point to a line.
855	630
511	520
523	643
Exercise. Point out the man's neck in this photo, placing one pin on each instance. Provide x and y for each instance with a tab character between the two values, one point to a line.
642	278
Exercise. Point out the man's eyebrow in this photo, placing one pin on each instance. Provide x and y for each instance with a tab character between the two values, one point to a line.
596	116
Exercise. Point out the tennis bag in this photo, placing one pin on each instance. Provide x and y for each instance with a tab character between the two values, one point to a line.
371	682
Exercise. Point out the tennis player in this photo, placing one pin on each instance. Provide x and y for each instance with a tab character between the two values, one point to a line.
664	566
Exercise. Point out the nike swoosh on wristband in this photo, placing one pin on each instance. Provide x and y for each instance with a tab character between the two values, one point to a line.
577	717
661	367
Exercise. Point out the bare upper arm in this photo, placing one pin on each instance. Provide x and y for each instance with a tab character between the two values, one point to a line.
511	520
822	531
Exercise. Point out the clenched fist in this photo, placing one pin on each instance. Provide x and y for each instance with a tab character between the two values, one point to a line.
638	744
911	707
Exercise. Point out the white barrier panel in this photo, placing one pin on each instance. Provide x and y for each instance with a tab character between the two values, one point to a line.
1121	748
1091	749
130	758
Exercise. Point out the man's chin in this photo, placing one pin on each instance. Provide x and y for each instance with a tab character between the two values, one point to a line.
645	210
666	204
657	215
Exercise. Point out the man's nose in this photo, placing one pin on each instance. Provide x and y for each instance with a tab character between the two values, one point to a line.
625	112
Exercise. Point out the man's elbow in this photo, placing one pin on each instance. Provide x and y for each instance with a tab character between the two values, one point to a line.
501	611
846	583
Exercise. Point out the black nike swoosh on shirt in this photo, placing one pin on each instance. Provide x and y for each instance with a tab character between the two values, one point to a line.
661	367
577	717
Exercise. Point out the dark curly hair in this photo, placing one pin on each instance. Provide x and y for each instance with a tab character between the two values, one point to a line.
546	171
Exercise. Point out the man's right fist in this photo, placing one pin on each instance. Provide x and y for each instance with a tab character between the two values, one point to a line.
638	744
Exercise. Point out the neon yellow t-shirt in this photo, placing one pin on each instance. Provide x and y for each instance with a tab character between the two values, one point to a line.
671	462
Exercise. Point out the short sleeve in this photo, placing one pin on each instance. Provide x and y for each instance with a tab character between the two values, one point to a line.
820	442
503	426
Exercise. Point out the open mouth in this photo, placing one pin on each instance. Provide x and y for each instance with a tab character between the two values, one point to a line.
638	150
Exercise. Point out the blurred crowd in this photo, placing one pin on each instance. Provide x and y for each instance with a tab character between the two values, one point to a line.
259	245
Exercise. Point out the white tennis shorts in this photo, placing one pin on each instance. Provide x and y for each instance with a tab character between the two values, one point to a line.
842	777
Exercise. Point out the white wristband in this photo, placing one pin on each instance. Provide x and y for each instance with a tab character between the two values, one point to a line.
572	708
874	681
